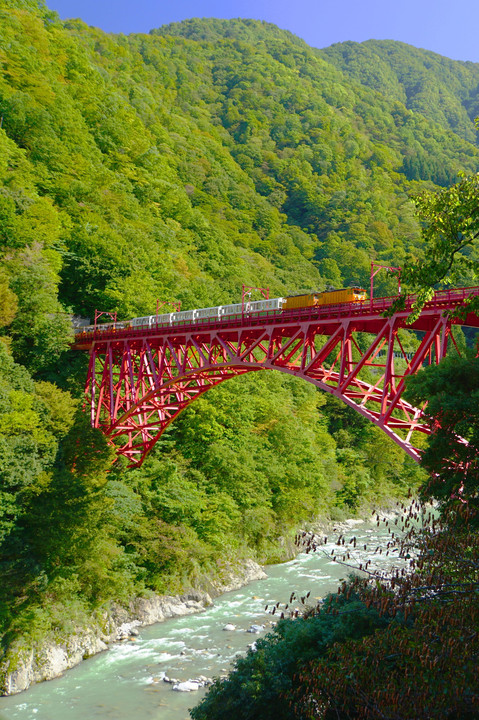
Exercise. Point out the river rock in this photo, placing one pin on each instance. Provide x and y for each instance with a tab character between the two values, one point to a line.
205	680
127	630
256	629
234	577
192	684
229	626
160	607
22	667
187	686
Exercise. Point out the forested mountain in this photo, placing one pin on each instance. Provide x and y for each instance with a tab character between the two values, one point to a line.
444	91
178	165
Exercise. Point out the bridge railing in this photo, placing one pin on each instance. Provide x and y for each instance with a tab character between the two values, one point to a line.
377	306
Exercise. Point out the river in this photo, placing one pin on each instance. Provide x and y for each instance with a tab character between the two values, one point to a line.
126	681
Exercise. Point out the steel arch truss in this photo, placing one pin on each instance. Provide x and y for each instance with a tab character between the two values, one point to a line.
137	385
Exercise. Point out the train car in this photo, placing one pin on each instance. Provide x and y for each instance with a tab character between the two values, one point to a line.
141	321
150	321
105	327
346	295
228	310
210	312
328	297
265	305
164	319
183	317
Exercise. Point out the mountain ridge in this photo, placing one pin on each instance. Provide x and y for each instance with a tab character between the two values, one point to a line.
441	89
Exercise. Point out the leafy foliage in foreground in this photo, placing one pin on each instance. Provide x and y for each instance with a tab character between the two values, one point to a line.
426	667
451	457
397	645
263	684
450	232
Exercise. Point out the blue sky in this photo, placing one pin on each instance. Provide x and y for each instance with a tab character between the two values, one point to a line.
448	27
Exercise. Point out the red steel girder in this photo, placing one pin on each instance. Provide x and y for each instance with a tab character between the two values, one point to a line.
138	381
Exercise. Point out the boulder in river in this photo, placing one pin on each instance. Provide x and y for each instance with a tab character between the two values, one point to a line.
187	686
192	684
256	629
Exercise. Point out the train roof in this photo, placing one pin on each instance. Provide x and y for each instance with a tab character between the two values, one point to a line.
323	292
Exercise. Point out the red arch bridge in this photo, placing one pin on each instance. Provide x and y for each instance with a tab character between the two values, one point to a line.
140	379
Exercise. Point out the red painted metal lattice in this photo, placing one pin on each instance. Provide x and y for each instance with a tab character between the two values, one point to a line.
139	380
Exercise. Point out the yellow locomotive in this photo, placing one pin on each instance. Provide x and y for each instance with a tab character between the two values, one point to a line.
328	297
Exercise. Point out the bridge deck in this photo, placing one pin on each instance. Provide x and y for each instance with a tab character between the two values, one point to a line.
141	378
368	316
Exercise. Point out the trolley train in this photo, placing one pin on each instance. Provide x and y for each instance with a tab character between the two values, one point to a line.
220	312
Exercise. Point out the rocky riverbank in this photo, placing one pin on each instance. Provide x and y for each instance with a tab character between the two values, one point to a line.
24	665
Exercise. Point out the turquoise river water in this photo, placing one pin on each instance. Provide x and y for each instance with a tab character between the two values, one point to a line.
126	681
